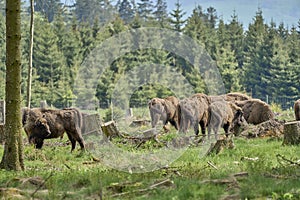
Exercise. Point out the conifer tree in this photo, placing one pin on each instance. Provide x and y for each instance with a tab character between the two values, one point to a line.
126	11
160	13
145	10
255	67
48	8
177	22
235	33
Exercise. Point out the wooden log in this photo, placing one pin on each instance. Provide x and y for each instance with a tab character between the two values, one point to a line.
110	129
291	133
141	122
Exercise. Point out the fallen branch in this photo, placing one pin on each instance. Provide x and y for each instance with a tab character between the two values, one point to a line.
279	156
42	184
212	165
166	182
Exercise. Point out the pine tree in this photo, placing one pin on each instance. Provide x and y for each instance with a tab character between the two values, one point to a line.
255	66
126	11
235	33
89	10
177	21
48	61
196	27
160	13
145	10
48	8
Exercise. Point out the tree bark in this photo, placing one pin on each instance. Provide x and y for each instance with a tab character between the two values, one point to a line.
291	133
13	149
29	80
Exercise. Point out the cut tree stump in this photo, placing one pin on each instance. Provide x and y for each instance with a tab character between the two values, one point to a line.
110	129
291	133
220	145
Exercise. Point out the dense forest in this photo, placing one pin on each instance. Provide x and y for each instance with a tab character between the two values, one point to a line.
262	60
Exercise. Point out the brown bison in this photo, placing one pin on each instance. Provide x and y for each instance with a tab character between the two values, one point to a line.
192	112
255	111
43	124
165	110
297	109
223	114
233	96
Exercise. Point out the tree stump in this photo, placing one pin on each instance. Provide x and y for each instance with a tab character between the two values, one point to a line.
291	133
220	145
110	129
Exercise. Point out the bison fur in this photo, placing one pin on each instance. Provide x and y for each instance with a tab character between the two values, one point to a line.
165	110
223	114
256	111
49	123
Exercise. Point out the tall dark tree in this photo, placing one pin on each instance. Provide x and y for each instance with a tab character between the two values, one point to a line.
255	67
145	10
89	10
196	27
235	34
13	150
48	8
126	11
160	12
177	21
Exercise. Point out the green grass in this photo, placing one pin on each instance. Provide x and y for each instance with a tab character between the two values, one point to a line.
66	175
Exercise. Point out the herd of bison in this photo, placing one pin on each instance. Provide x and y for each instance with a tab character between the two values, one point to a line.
229	111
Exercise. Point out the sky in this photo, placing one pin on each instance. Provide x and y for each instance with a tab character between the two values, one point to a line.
287	11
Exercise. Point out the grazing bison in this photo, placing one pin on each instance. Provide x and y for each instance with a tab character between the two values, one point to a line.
43	124
223	114
255	111
297	109
233	96
165	110
192	112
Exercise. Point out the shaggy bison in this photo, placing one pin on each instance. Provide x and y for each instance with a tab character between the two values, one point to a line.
43	124
192	112
255	111
233	96
165	110
297	109
223	114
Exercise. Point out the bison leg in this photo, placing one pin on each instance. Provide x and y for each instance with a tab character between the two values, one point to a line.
203	127
39	143
196	127
73	141
226	129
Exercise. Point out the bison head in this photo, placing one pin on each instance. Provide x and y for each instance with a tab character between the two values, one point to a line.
157	111
238	122
39	131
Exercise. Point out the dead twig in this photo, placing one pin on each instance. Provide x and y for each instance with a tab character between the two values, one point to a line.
212	165
166	182
279	156
41	185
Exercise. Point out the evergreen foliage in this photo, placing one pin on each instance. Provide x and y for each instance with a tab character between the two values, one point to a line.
262	60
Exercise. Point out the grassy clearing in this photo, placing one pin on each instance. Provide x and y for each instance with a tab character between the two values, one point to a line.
254	169
55	173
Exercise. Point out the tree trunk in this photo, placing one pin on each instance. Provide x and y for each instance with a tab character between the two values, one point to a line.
29	80
13	149
291	133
